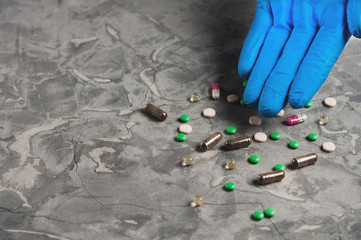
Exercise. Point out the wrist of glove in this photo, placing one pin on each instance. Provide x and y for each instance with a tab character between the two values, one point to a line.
354	17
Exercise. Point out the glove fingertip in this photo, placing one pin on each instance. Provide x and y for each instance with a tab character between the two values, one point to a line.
297	100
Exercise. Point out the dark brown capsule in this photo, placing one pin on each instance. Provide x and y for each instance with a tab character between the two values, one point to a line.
156	112
304	160
211	141
271	177
237	143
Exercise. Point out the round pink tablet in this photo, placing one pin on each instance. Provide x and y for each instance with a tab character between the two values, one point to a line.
209	112
255	121
185	128
328	147
281	113
232	98
260	137
330	102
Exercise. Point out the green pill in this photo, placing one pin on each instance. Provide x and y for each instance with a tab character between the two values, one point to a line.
275	136
245	83
185	118
231	130
181	137
312	136
280	167
294	144
242	102
269	212
309	104
254	159
258	215
230	186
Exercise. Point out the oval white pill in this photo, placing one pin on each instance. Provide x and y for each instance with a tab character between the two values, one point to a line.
185	128
255	121
209	112
281	113
330	102
232	98
260	137
329	147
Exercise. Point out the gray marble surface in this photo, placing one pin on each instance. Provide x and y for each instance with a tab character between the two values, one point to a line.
79	158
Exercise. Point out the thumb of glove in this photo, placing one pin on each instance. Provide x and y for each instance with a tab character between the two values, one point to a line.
354	17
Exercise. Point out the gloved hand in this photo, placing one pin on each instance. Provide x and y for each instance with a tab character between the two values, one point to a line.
291	48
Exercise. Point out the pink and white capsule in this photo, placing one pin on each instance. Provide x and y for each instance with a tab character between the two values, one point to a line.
296	119
216	91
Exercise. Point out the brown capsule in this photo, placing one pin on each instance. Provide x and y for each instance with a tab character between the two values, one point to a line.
271	177
156	112
237	143
211	141
304	160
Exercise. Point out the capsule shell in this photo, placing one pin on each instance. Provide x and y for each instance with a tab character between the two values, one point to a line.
270	177
304	160
211	141
156	112
237	143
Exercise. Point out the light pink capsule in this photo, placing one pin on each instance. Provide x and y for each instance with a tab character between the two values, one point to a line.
216	91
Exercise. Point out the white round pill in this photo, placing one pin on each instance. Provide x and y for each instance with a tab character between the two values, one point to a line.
232	98
185	128
281	113
328	147
255	121
209	112
260	137
330	102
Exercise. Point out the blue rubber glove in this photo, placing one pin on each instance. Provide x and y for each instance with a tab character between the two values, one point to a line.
291	47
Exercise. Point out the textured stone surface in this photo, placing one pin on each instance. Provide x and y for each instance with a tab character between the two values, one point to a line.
80	159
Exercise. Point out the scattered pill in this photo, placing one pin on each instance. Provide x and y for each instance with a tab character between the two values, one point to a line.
275	135
198	201
312	136
209	113
185	118
254	159
242	102
231	164
304	160
216	91
237	143
324	119
255	121
211	141
230	186
280	167
330	102
188	161
328	147
269	212
231	130
260	137
258	215
195	97
156	112
281	113
294	144
245	83
181	137
185	128
309	104
232	98
270	177
293	120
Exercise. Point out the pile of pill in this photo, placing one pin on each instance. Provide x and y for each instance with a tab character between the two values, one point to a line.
278	172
